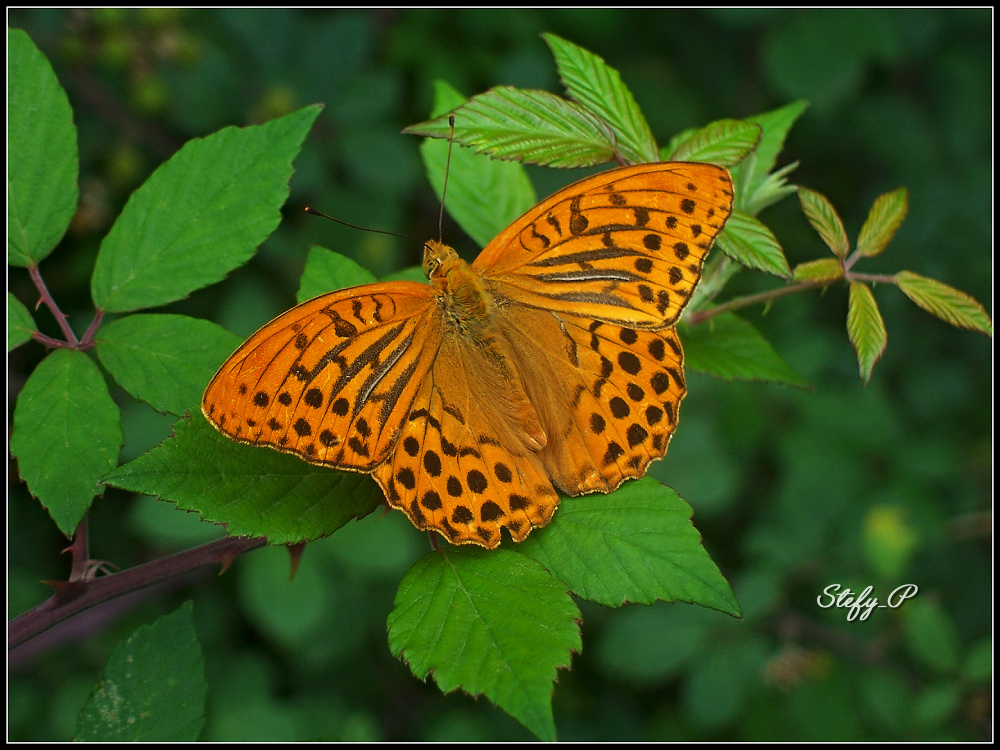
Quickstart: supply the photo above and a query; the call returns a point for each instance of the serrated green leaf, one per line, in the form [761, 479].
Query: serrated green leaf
[724, 142]
[947, 303]
[490, 623]
[153, 688]
[599, 89]
[865, 328]
[824, 219]
[20, 325]
[164, 360]
[528, 126]
[199, 215]
[747, 241]
[823, 269]
[42, 154]
[328, 271]
[752, 199]
[887, 213]
[253, 491]
[635, 545]
[66, 436]
[728, 347]
[484, 195]
[774, 126]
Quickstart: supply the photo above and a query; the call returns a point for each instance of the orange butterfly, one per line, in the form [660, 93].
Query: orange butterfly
[550, 364]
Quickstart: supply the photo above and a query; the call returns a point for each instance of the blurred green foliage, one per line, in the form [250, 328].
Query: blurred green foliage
[792, 490]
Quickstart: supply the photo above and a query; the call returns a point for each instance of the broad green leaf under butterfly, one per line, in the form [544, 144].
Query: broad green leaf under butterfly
[66, 435]
[637, 545]
[253, 492]
[199, 215]
[164, 360]
[153, 688]
[488, 623]
[42, 164]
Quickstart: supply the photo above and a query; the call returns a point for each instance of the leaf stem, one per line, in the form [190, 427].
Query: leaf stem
[43, 290]
[752, 299]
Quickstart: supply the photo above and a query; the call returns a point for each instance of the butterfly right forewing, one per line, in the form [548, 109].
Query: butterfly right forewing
[625, 246]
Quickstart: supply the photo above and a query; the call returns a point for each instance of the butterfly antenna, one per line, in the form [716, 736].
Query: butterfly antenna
[447, 169]
[314, 212]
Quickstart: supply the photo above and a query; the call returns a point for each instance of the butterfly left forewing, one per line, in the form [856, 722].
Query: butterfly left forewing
[625, 246]
[329, 380]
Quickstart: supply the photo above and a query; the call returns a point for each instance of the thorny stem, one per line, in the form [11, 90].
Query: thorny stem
[75, 596]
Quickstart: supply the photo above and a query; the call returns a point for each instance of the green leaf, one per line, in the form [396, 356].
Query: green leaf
[724, 142]
[491, 623]
[328, 271]
[164, 360]
[824, 219]
[153, 688]
[253, 491]
[946, 302]
[729, 348]
[635, 545]
[865, 328]
[528, 126]
[484, 195]
[599, 89]
[930, 635]
[750, 243]
[66, 435]
[823, 269]
[754, 198]
[887, 213]
[20, 325]
[199, 215]
[42, 154]
[774, 126]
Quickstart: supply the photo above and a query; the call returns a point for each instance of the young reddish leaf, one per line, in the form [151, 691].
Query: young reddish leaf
[884, 218]
[824, 219]
[865, 328]
[947, 303]
[823, 269]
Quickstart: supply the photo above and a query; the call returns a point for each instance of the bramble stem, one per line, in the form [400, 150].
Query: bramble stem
[73, 597]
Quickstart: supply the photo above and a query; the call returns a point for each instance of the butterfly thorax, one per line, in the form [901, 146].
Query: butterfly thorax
[468, 311]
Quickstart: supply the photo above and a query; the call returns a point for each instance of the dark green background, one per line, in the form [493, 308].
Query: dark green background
[793, 490]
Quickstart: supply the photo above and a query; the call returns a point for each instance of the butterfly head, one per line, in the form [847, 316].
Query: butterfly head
[437, 257]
